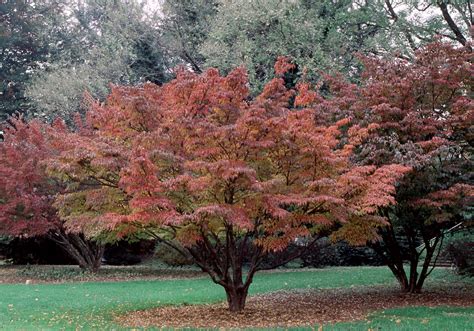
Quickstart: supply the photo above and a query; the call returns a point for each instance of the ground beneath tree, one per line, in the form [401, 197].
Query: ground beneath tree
[297, 308]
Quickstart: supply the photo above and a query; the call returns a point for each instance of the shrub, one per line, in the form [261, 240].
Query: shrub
[128, 253]
[171, 257]
[340, 253]
[462, 255]
[36, 250]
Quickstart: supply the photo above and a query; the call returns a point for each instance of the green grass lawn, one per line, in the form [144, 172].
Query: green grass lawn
[415, 318]
[92, 305]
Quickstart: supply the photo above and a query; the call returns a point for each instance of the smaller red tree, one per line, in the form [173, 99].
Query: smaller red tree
[27, 193]
[415, 113]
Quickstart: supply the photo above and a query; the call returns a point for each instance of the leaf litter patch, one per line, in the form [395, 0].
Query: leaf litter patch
[297, 308]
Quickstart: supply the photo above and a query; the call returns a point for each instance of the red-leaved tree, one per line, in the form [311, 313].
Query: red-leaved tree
[27, 193]
[419, 114]
[226, 179]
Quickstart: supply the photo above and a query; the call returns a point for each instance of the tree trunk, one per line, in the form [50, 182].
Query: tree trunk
[408, 284]
[430, 255]
[401, 277]
[452, 25]
[413, 271]
[86, 253]
[411, 281]
[391, 254]
[236, 298]
[223, 260]
[91, 257]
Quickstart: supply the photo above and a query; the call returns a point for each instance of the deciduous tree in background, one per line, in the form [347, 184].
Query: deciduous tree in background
[107, 41]
[29, 32]
[184, 27]
[232, 179]
[324, 35]
[425, 113]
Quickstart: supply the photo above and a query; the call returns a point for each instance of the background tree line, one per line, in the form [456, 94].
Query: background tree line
[52, 51]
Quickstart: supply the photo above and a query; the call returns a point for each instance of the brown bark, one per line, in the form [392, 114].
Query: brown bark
[411, 280]
[223, 260]
[86, 253]
[405, 30]
[392, 255]
[429, 257]
[236, 298]
[452, 25]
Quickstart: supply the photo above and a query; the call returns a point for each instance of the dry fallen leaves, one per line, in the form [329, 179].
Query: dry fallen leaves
[295, 308]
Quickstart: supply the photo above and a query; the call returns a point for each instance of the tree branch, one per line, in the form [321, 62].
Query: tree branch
[452, 25]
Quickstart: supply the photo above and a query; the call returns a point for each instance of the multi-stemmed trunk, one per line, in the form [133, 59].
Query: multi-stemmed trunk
[224, 260]
[86, 253]
[392, 253]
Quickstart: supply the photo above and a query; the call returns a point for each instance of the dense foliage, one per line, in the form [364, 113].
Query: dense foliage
[52, 51]
[28, 35]
[106, 42]
[426, 121]
[325, 35]
[228, 177]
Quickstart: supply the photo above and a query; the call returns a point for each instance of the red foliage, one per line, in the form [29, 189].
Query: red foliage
[283, 65]
[26, 193]
[414, 113]
[423, 111]
[230, 176]
[405, 112]
[197, 157]
[442, 204]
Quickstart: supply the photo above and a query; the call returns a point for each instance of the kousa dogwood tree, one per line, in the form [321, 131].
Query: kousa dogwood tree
[226, 179]
[419, 114]
[27, 193]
